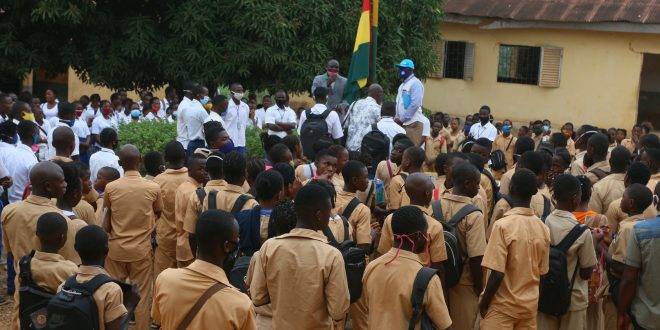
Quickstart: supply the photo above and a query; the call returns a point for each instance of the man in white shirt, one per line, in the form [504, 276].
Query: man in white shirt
[181, 128]
[195, 117]
[236, 117]
[67, 118]
[386, 124]
[106, 156]
[260, 114]
[409, 102]
[107, 119]
[332, 120]
[280, 119]
[219, 106]
[361, 117]
[484, 129]
[20, 161]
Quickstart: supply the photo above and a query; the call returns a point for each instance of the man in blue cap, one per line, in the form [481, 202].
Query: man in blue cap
[409, 102]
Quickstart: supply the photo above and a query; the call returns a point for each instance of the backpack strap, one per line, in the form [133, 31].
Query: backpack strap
[350, 207]
[404, 176]
[213, 200]
[600, 174]
[371, 191]
[199, 304]
[88, 287]
[331, 238]
[239, 203]
[345, 221]
[420, 285]
[546, 208]
[308, 113]
[508, 145]
[571, 237]
[462, 213]
[25, 270]
[389, 167]
[201, 194]
[508, 199]
[496, 188]
[437, 210]
[325, 113]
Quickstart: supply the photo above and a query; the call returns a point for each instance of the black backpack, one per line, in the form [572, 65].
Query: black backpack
[376, 144]
[497, 160]
[312, 129]
[33, 298]
[454, 264]
[238, 274]
[74, 307]
[354, 257]
[555, 287]
[420, 285]
[547, 206]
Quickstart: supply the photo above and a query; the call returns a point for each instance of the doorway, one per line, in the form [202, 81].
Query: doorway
[648, 108]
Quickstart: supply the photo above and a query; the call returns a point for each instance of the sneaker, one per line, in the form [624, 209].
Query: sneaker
[4, 301]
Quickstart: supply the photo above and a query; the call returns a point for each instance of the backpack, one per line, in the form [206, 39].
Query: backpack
[312, 129]
[454, 264]
[546, 205]
[249, 224]
[420, 285]
[376, 144]
[33, 298]
[74, 307]
[555, 288]
[238, 204]
[354, 257]
[496, 188]
[600, 174]
[238, 273]
[497, 160]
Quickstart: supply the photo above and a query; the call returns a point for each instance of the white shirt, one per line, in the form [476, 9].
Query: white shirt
[50, 113]
[19, 164]
[90, 113]
[426, 129]
[102, 158]
[78, 128]
[260, 116]
[334, 124]
[390, 128]
[181, 129]
[195, 116]
[276, 115]
[486, 131]
[170, 119]
[214, 116]
[236, 118]
[101, 123]
[123, 118]
[45, 128]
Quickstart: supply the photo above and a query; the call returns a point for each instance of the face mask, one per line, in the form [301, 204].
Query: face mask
[156, 106]
[546, 128]
[79, 113]
[204, 100]
[332, 73]
[506, 129]
[403, 74]
[208, 106]
[69, 122]
[106, 111]
[227, 148]
[237, 96]
[28, 116]
[484, 119]
[466, 128]
[537, 131]
[280, 103]
[135, 113]
[228, 264]
[175, 114]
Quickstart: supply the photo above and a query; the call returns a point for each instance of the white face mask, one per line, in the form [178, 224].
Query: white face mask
[238, 96]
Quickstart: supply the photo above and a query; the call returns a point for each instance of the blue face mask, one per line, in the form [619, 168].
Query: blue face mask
[546, 128]
[403, 74]
[466, 128]
[227, 148]
[15, 140]
[204, 100]
[71, 122]
[506, 129]
[135, 113]
[175, 114]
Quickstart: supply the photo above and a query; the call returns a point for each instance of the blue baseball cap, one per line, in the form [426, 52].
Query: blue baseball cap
[406, 63]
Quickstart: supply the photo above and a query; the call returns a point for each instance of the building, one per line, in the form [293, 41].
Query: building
[584, 61]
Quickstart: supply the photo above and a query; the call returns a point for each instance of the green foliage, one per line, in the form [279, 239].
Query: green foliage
[264, 44]
[253, 146]
[147, 136]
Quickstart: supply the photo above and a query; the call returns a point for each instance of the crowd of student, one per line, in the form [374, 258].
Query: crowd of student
[548, 230]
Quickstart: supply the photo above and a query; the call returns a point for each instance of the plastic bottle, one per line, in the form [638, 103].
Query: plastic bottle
[380, 191]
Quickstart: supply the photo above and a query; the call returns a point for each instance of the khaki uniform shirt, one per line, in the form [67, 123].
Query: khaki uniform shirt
[177, 290]
[264, 312]
[488, 187]
[437, 251]
[100, 211]
[570, 146]
[132, 204]
[169, 181]
[184, 194]
[396, 193]
[194, 206]
[304, 280]
[92, 197]
[19, 225]
[435, 146]
[502, 206]
[655, 178]
[629, 144]
[300, 172]
[84, 211]
[387, 290]
[360, 219]
[507, 145]
[518, 247]
[226, 199]
[581, 253]
[456, 141]
[49, 270]
[505, 180]
[577, 166]
[108, 297]
[615, 215]
[470, 232]
[620, 243]
[383, 172]
[336, 226]
[606, 191]
[603, 165]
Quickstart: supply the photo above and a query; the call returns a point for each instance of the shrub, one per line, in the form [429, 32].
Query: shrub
[253, 146]
[147, 136]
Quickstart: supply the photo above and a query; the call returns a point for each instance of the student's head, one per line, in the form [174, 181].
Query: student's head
[523, 131]
[585, 189]
[523, 185]
[283, 217]
[66, 111]
[7, 131]
[153, 163]
[482, 147]
[26, 132]
[413, 159]
[174, 153]
[329, 188]
[321, 95]
[419, 188]
[534, 162]
[561, 160]
[651, 157]
[558, 140]
[64, 141]
[293, 143]
[108, 138]
[85, 177]
[476, 161]
[104, 176]
[269, 186]
[92, 245]
[253, 168]
[440, 163]
[636, 198]
[388, 109]
[638, 172]
[313, 207]
[453, 160]
[597, 147]
[400, 143]
[51, 231]
[321, 144]
[217, 138]
[523, 144]
[583, 134]
[484, 114]
[410, 229]
[326, 163]
[215, 165]
[269, 141]
[234, 168]
[47, 180]
[567, 192]
[620, 159]
[266, 101]
[280, 153]
[649, 141]
[342, 155]
[291, 185]
[217, 237]
[73, 193]
[220, 103]
[355, 175]
[197, 168]
[130, 158]
[621, 134]
[466, 179]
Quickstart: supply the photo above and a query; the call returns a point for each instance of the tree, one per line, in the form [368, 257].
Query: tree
[263, 44]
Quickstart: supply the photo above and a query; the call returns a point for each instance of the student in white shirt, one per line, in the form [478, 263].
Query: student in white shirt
[20, 162]
[236, 117]
[260, 114]
[107, 119]
[93, 109]
[219, 106]
[334, 124]
[42, 123]
[50, 107]
[484, 129]
[106, 156]
[280, 119]
[67, 118]
[124, 117]
[387, 125]
[181, 128]
[195, 116]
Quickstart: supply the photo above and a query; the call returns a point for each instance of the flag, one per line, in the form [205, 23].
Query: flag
[374, 38]
[359, 71]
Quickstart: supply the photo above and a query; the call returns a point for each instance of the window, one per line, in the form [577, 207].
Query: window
[455, 60]
[519, 64]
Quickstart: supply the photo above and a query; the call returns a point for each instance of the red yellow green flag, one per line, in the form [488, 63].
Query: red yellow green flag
[359, 71]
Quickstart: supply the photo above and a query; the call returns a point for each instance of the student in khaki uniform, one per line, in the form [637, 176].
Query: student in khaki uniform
[336, 223]
[595, 160]
[581, 256]
[506, 143]
[387, 169]
[440, 165]
[112, 303]
[583, 134]
[291, 185]
[104, 176]
[302, 269]
[154, 165]
[84, 210]
[178, 290]
[325, 163]
[234, 171]
[464, 297]
[516, 257]
[522, 145]
[483, 147]
[169, 181]
[611, 187]
[412, 162]
[197, 177]
[637, 173]
[356, 178]
[133, 205]
[481, 199]
[388, 280]
[72, 195]
[436, 144]
[64, 142]
[342, 157]
[651, 157]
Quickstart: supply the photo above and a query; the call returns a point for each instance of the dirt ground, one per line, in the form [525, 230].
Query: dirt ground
[5, 310]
